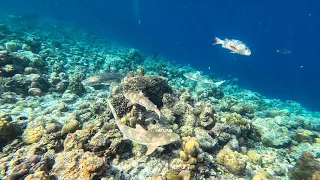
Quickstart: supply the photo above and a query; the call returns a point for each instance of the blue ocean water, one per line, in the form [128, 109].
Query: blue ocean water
[183, 31]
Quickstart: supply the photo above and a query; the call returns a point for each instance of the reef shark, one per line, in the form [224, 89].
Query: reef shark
[105, 78]
[137, 97]
[139, 135]
[197, 77]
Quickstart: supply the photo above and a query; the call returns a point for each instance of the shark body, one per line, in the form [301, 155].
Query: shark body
[139, 135]
[105, 78]
[197, 77]
[137, 97]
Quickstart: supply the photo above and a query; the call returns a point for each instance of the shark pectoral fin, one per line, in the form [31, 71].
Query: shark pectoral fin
[141, 93]
[130, 103]
[151, 148]
[124, 137]
[106, 83]
[139, 128]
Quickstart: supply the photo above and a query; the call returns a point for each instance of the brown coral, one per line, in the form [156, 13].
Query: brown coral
[190, 150]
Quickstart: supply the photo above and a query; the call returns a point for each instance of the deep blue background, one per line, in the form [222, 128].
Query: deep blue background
[183, 30]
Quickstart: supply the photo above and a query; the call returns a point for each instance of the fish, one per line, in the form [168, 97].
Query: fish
[197, 77]
[105, 78]
[139, 135]
[235, 46]
[137, 97]
[283, 51]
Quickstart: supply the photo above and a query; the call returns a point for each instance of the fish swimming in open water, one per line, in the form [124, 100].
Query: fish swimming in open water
[105, 78]
[137, 97]
[235, 46]
[284, 51]
[139, 135]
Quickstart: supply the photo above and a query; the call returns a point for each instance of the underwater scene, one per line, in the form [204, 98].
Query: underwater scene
[159, 90]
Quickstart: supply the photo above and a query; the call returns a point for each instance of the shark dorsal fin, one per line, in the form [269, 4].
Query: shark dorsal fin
[139, 128]
[141, 93]
[151, 148]
[108, 69]
[124, 137]
[130, 103]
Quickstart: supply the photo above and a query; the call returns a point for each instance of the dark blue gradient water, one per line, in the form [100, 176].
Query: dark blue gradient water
[183, 30]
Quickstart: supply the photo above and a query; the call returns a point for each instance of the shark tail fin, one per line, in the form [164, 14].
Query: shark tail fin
[114, 113]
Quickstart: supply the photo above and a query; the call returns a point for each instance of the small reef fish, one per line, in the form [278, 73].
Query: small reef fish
[283, 51]
[137, 97]
[139, 135]
[197, 77]
[235, 46]
[105, 78]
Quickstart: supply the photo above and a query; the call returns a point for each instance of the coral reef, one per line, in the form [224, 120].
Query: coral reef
[271, 133]
[81, 165]
[54, 127]
[232, 160]
[190, 150]
[306, 168]
[9, 130]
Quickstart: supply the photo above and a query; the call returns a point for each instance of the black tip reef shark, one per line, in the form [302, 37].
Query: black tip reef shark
[139, 135]
[105, 78]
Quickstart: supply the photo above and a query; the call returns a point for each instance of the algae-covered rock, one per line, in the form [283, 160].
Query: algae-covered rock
[38, 175]
[70, 127]
[297, 150]
[206, 115]
[243, 109]
[77, 164]
[75, 86]
[185, 175]
[33, 132]
[12, 46]
[303, 135]
[254, 157]
[306, 168]
[172, 175]
[272, 134]
[206, 142]
[79, 139]
[12, 64]
[8, 129]
[99, 142]
[263, 176]
[35, 92]
[140, 71]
